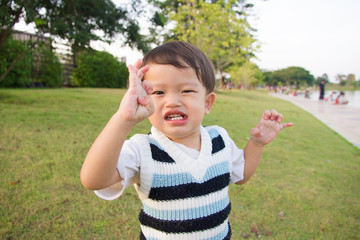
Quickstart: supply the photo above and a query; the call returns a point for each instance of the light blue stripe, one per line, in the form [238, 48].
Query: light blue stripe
[187, 214]
[152, 141]
[169, 180]
[213, 133]
[221, 235]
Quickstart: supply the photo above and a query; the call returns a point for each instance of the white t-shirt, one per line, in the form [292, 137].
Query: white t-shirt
[129, 166]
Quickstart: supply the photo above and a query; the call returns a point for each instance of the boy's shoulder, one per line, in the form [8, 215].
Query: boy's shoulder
[215, 129]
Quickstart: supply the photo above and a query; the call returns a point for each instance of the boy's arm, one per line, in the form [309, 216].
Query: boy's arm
[266, 130]
[99, 168]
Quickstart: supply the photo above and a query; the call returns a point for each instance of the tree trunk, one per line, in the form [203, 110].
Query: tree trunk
[5, 33]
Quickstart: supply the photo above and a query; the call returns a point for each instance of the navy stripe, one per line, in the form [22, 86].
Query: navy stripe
[191, 189]
[199, 224]
[160, 155]
[217, 144]
[228, 236]
[142, 236]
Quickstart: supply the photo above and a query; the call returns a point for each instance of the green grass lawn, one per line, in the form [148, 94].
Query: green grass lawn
[306, 187]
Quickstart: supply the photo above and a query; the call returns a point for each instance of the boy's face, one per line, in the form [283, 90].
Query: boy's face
[181, 102]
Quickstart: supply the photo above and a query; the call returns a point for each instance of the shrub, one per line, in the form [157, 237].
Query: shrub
[99, 69]
[49, 68]
[39, 65]
[20, 74]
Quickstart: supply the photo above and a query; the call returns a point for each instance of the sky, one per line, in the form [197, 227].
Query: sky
[322, 36]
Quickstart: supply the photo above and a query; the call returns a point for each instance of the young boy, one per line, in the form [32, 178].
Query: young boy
[181, 170]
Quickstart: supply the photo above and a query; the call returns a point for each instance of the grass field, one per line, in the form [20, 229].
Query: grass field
[306, 187]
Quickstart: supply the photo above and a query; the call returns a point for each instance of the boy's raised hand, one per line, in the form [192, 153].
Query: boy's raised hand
[137, 104]
[268, 127]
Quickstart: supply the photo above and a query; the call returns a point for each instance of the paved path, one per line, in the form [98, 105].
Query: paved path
[343, 119]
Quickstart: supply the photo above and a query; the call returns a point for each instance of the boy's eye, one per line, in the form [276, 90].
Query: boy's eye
[188, 91]
[157, 93]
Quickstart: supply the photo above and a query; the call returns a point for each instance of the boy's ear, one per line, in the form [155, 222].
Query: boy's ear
[209, 102]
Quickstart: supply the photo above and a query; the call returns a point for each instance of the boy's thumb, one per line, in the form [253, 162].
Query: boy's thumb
[256, 132]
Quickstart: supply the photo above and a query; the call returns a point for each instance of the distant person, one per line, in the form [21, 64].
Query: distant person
[331, 97]
[341, 99]
[307, 93]
[181, 170]
[322, 89]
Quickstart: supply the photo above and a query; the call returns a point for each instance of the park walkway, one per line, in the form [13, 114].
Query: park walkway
[343, 119]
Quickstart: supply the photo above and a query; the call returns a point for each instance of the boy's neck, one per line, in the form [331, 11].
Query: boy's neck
[192, 141]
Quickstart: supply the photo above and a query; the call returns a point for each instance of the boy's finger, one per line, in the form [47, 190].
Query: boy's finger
[147, 86]
[256, 132]
[142, 100]
[285, 125]
[133, 78]
[266, 114]
[138, 63]
[274, 114]
[142, 71]
[279, 118]
[146, 101]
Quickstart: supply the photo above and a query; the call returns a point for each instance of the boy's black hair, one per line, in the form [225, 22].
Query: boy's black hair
[183, 55]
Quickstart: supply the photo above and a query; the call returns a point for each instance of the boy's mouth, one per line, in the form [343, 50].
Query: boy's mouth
[173, 117]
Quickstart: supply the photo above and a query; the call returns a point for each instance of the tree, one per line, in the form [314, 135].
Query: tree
[79, 21]
[350, 79]
[323, 77]
[340, 77]
[49, 70]
[298, 76]
[346, 80]
[39, 65]
[219, 28]
[247, 75]
[291, 76]
[21, 74]
[99, 69]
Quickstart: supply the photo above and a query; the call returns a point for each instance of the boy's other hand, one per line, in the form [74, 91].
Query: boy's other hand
[268, 127]
[137, 104]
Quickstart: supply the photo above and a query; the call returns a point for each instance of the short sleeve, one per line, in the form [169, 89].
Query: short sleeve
[128, 166]
[238, 163]
[237, 157]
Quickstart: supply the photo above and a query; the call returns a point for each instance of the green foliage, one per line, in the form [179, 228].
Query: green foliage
[291, 76]
[324, 77]
[342, 83]
[50, 68]
[219, 28]
[99, 69]
[77, 21]
[39, 65]
[309, 173]
[347, 80]
[20, 75]
[247, 75]
[339, 87]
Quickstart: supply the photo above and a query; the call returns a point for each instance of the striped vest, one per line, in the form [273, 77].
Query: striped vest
[184, 198]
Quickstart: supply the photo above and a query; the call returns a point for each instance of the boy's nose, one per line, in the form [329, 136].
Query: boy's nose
[173, 100]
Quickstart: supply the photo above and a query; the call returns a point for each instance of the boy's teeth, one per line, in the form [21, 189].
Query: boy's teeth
[175, 117]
